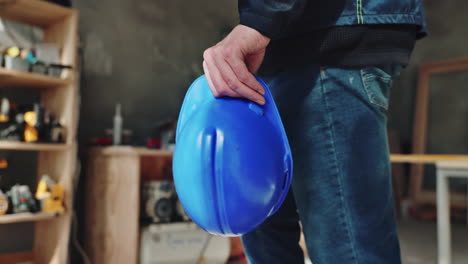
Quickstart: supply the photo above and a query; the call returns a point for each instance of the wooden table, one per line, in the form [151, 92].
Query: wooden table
[113, 179]
[447, 166]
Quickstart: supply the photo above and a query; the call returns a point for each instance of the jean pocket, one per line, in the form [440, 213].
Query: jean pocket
[377, 82]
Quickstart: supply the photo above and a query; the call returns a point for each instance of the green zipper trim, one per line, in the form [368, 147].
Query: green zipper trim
[360, 17]
[357, 11]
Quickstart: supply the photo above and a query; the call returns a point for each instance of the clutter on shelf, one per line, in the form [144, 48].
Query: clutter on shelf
[22, 48]
[49, 198]
[51, 195]
[29, 123]
[3, 203]
[160, 203]
[27, 60]
[21, 199]
[116, 135]
[163, 135]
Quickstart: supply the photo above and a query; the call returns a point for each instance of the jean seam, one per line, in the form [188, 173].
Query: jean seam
[332, 133]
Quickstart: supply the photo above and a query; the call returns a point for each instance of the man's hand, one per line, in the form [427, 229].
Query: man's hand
[230, 64]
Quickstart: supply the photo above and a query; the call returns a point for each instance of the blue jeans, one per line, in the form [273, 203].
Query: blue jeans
[341, 192]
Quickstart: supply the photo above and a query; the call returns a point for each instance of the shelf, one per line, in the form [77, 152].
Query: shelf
[11, 145]
[13, 78]
[33, 12]
[142, 151]
[129, 150]
[60, 96]
[26, 217]
[426, 158]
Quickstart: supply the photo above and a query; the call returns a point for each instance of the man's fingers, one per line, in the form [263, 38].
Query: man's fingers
[234, 84]
[217, 82]
[208, 78]
[243, 74]
[224, 81]
[213, 77]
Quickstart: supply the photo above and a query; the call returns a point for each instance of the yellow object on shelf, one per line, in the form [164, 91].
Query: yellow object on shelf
[13, 52]
[4, 110]
[30, 132]
[3, 163]
[54, 204]
[4, 118]
[3, 203]
[51, 195]
[42, 189]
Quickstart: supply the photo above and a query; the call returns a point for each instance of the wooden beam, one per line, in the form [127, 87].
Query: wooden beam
[443, 66]
[426, 158]
[128, 150]
[25, 217]
[421, 112]
[33, 12]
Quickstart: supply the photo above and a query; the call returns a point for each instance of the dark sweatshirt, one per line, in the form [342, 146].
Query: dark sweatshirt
[345, 33]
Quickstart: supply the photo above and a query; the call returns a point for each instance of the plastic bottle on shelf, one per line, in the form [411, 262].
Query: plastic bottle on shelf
[3, 203]
[117, 132]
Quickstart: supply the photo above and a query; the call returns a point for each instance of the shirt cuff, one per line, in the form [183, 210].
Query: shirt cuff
[267, 26]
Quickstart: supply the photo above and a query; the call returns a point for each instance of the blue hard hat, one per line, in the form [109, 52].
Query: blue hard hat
[232, 163]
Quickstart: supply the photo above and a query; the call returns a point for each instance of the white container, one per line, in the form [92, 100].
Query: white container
[181, 243]
[16, 63]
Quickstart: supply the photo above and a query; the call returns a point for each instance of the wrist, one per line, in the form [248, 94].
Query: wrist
[260, 38]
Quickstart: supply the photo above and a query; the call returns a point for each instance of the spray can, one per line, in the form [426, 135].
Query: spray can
[117, 135]
[3, 203]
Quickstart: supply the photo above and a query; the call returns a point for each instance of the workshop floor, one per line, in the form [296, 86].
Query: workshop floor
[419, 242]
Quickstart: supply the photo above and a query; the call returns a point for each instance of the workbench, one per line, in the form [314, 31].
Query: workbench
[446, 166]
[113, 182]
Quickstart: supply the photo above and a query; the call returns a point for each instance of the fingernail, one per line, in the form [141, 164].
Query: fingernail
[262, 92]
[262, 101]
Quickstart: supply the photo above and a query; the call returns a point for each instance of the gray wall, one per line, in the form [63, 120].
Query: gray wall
[143, 54]
[447, 23]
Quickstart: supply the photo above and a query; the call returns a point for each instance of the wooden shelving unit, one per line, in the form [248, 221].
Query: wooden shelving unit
[60, 96]
[8, 145]
[12, 78]
[113, 180]
[26, 217]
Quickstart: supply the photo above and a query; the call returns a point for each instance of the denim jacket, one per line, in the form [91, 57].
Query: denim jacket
[284, 18]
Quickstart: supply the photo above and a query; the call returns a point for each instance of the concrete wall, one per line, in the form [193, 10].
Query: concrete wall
[447, 38]
[143, 54]
[447, 129]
